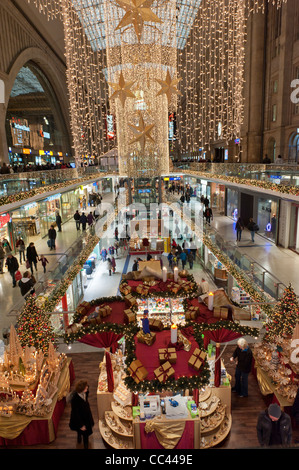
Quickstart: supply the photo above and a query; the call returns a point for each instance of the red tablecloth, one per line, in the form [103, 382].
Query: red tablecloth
[149, 440]
[149, 357]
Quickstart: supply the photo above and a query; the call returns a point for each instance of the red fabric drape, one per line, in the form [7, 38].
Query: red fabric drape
[110, 378]
[105, 339]
[219, 336]
[149, 441]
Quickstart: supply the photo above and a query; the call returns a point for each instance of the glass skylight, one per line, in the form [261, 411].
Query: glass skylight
[26, 82]
[92, 17]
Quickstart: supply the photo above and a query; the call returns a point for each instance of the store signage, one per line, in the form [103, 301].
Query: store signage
[110, 130]
[47, 135]
[237, 141]
[52, 198]
[4, 219]
[27, 151]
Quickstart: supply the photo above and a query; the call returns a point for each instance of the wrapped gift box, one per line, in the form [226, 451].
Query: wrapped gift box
[220, 312]
[125, 289]
[137, 371]
[191, 315]
[197, 359]
[167, 354]
[164, 372]
[72, 329]
[81, 310]
[174, 287]
[129, 316]
[104, 310]
[141, 289]
[155, 325]
[85, 304]
[130, 300]
[146, 338]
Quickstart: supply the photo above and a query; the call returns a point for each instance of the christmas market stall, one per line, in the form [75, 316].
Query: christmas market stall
[162, 383]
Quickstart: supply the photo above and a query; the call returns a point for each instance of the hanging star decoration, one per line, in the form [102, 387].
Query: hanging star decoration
[122, 89]
[142, 132]
[137, 13]
[169, 86]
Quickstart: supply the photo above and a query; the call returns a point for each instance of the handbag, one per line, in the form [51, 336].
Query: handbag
[49, 243]
[27, 264]
[18, 276]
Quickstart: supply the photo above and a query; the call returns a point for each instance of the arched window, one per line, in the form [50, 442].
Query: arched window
[294, 147]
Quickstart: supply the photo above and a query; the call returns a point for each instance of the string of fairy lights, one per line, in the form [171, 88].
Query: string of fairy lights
[199, 77]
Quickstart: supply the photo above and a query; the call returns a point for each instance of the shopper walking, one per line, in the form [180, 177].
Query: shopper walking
[253, 227]
[26, 284]
[109, 266]
[81, 419]
[20, 245]
[113, 263]
[6, 246]
[44, 262]
[170, 259]
[90, 219]
[32, 256]
[183, 258]
[243, 356]
[12, 266]
[239, 227]
[52, 237]
[2, 258]
[190, 259]
[77, 219]
[274, 427]
[58, 221]
[83, 221]
[208, 215]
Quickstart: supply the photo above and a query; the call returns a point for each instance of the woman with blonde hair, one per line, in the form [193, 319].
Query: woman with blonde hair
[81, 419]
[243, 357]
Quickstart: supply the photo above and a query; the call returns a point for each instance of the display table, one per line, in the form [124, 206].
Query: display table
[267, 387]
[22, 430]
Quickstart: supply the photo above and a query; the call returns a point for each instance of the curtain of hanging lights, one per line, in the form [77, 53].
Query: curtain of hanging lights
[209, 59]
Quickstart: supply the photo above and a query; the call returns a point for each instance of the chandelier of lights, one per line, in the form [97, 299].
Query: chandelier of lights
[132, 67]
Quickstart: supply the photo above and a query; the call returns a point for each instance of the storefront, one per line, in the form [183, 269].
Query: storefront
[69, 204]
[217, 200]
[267, 210]
[6, 231]
[26, 222]
[203, 188]
[294, 228]
[232, 203]
[48, 208]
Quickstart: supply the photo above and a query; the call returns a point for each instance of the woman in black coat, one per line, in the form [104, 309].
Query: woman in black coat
[32, 256]
[81, 419]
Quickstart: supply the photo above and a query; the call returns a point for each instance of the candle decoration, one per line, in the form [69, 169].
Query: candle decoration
[211, 301]
[174, 334]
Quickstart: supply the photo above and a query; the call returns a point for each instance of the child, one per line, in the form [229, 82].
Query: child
[44, 261]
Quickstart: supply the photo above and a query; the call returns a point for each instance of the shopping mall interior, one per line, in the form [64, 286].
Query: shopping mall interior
[149, 226]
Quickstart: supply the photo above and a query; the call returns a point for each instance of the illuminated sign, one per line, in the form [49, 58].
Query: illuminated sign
[171, 126]
[110, 130]
[27, 151]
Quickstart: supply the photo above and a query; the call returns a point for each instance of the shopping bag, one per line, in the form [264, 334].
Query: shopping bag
[49, 243]
[27, 264]
[18, 276]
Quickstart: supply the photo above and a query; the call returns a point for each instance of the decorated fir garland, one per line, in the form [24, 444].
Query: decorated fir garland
[280, 188]
[17, 197]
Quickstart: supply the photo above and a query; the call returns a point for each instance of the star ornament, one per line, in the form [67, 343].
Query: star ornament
[169, 86]
[137, 13]
[122, 89]
[142, 132]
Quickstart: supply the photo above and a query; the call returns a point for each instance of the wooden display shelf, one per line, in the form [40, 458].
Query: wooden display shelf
[210, 424]
[122, 411]
[114, 441]
[203, 396]
[215, 439]
[212, 403]
[120, 429]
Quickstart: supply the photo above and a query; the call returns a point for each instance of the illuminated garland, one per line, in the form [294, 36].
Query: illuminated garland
[280, 188]
[23, 195]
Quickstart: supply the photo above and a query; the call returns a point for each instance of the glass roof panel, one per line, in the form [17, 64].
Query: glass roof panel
[26, 82]
[91, 14]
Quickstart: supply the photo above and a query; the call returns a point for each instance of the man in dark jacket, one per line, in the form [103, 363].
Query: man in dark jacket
[83, 221]
[77, 219]
[243, 356]
[274, 427]
[12, 266]
[26, 284]
[32, 256]
[58, 222]
[52, 237]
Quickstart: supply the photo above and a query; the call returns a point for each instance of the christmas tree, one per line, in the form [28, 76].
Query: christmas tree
[283, 319]
[34, 327]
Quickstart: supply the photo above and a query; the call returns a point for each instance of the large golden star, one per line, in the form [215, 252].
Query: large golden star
[169, 86]
[142, 131]
[122, 89]
[137, 12]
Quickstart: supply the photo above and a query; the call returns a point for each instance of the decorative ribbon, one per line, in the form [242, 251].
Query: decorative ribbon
[165, 373]
[134, 372]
